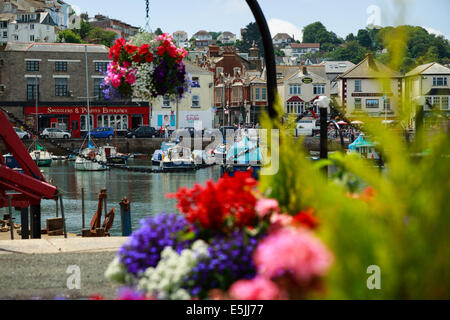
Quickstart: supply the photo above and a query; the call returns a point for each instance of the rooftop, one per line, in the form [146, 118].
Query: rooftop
[305, 45]
[371, 68]
[55, 47]
[429, 68]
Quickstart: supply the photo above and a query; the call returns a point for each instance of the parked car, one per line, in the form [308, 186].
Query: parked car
[22, 134]
[143, 132]
[103, 133]
[56, 134]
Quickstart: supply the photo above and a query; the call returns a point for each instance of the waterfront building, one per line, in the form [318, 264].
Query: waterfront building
[52, 77]
[371, 88]
[195, 109]
[300, 89]
[203, 39]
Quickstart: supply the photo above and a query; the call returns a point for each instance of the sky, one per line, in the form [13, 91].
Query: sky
[289, 16]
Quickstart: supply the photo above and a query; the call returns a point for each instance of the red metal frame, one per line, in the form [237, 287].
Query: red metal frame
[30, 186]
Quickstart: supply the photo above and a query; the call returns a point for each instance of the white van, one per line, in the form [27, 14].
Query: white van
[305, 127]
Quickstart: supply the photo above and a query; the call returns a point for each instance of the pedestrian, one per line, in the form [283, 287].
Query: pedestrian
[166, 132]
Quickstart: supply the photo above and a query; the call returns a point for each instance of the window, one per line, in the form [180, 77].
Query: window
[60, 66]
[372, 103]
[101, 67]
[264, 94]
[257, 94]
[32, 37]
[61, 87]
[219, 95]
[439, 81]
[219, 70]
[32, 65]
[387, 104]
[83, 123]
[16, 27]
[237, 94]
[166, 102]
[98, 89]
[319, 89]
[16, 37]
[32, 86]
[3, 25]
[295, 107]
[5, 34]
[195, 82]
[31, 26]
[358, 86]
[236, 71]
[118, 122]
[358, 104]
[195, 101]
[295, 89]
[445, 105]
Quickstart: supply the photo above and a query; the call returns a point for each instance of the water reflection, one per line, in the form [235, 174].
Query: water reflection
[146, 192]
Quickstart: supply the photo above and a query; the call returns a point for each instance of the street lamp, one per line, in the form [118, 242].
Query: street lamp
[323, 102]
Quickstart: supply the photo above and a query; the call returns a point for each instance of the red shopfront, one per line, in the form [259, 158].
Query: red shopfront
[74, 118]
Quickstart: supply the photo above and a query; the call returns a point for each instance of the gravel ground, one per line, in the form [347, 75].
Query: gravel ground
[44, 276]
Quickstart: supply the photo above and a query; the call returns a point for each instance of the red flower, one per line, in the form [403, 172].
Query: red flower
[130, 49]
[144, 49]
[149, 57]
[120, 42]
[307, 219]
[137, 58]
[230, 199]
[161, 50]
[96, 297]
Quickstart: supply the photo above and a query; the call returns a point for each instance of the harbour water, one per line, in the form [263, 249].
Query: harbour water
[147, 192]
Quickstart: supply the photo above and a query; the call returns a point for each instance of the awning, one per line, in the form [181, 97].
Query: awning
[438, 92]
[295, 99]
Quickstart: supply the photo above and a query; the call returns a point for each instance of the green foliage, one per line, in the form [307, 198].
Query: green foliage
[106, 38]
[351, 51]
[250, 34]
[215, 35]
[142, 37]
[69, 37]
[403, 227]
[317, 33]
[159, 32]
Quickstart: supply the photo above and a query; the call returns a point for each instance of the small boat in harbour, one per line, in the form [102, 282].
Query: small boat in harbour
[243, 155]
[178, 158]
[158, 154]
[84, 161]
[112, 157]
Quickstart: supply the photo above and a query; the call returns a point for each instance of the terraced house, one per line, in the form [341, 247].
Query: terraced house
[371, 88]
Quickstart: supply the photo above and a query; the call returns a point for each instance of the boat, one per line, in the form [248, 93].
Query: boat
[58, 158]
[178, 158]
[140, 156]
[243, 155]
[158, 154]
[112, 157]
[40, 156]
[83, 162]
[364, 148]
[220, 153]
[73, 155]
[12, 163]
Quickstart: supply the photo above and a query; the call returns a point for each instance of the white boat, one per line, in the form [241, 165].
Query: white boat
[159, 154]
[42, 158]
[220, 153]
[178, 158]
[85, 163]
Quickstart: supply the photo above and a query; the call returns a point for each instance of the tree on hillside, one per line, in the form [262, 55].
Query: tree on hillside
[159, 32]
[68, 36]
[85, 28]
[351, 51]
[106, 38]
[215, 35]
[364, 39]
[250, 34]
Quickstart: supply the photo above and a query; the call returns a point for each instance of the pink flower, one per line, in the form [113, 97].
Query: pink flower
[131, 78]
[265, 207]
[279, 221]
[256, 289]
[297, 252]
[115, 80]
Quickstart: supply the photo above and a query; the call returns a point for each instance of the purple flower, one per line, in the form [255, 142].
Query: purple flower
[143, 249]
[225, 265]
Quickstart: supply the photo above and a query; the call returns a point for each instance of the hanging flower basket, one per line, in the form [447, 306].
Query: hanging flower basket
[152, 70]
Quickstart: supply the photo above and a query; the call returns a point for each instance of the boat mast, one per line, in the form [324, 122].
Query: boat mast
[36, 86]
[87, 94]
